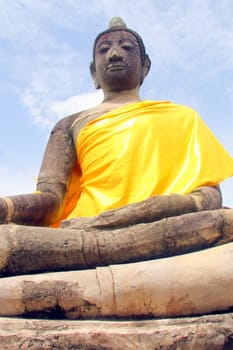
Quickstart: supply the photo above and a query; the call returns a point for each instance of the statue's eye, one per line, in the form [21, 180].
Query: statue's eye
[127, 47]
[103, 49]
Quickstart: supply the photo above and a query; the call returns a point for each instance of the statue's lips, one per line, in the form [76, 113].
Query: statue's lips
[115, 67]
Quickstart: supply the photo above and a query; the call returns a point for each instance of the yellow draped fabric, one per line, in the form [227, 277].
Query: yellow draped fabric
[142, 150]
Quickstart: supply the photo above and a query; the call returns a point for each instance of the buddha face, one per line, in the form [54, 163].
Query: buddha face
[117, 63]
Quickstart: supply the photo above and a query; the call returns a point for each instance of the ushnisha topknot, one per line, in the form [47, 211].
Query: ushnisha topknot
[116, 24]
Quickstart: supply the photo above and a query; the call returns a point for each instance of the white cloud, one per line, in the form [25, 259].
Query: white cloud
[76, 103]
[38, 108]
[20, 25]
[48, 111]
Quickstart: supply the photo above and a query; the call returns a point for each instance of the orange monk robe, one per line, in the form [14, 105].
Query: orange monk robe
[143, 150]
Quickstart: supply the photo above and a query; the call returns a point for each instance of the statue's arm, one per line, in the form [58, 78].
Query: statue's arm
[45, 205]
[154, 209]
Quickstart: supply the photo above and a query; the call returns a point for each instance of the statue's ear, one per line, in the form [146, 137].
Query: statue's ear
[146, 67]
[93, 75]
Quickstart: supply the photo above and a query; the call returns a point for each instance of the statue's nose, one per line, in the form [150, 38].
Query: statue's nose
[114, 54]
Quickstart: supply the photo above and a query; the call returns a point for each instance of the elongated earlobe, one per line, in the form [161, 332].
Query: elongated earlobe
[93, 75]
[97, 84]
[146, 68]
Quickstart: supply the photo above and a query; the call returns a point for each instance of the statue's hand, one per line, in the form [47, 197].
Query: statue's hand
[153, 209]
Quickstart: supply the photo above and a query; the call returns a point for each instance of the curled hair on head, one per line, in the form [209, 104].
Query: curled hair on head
[117, 24]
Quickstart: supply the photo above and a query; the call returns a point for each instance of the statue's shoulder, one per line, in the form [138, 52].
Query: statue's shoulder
[171, 108]
[182, 111]
[81, 119]
[67, 122]
[72, 124]
[180, 107]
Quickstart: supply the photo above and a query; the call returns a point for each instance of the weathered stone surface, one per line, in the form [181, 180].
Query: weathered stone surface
[191, 284]
[213, 332]
[26, 249]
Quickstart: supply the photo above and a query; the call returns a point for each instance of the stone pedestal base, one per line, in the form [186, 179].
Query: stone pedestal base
[212, 332]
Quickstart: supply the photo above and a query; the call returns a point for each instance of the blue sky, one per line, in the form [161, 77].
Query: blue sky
[46, 48]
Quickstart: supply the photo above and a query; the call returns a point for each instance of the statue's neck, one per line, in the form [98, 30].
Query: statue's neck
[121, 97]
